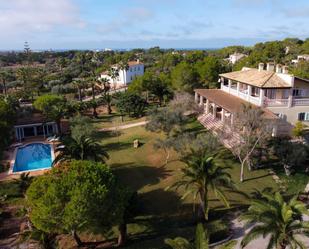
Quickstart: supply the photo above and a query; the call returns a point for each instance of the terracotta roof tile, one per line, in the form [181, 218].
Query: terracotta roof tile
[254, 77]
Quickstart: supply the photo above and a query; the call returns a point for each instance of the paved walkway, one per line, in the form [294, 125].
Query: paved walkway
[122, 127]
[239, 230]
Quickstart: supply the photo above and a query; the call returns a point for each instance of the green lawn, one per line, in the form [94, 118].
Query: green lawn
[106, 121]
[294, 184]
[144, 170]
[163, 213]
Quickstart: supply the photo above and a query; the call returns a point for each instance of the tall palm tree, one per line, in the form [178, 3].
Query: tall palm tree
[80, 84]
[105, 85]
[61, 63]
[280, 220]
[92, 80]
[80, 148]
[113, 73]
[123, 66]
[201, 176]
[94, 105]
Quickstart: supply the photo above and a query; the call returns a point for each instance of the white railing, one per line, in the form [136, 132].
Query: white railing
[276, 102]
[243, 95]
[233, 91]
[301, 102]
[254, 100]
[225, 88]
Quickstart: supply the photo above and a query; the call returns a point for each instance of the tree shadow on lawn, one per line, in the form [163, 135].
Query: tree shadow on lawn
[162, 214]
[162, 202]
[118, 146]
[138, 177]
[100, 135]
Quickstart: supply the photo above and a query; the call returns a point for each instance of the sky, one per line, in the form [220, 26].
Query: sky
[99, 24]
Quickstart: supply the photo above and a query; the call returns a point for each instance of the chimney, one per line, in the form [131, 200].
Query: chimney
[285, 69]
[278, 68]
[261, 67]
[270, 66]
[137, 60]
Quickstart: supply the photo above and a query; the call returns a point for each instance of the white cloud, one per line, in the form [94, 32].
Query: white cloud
[21, 17]
[129, 16]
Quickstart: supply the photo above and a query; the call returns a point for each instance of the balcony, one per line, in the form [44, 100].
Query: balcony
[276, 102]
[243, 94]
[285, 102]
[301, 102]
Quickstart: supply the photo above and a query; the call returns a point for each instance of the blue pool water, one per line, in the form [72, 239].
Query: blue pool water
[33, 157]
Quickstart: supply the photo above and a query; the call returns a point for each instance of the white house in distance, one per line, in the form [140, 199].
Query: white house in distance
[125, 75]
[304, 57]
[233, 58]
[283, 97]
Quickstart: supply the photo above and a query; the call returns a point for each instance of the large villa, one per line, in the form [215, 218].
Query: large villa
[125, 75]
[283, 97]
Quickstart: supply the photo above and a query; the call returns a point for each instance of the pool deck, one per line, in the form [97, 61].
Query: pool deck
[10, 154]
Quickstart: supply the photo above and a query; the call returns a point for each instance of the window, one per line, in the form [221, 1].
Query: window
[131, 69]
[270, 93]
[286, 93]
[255, 92]
[234, 84]
[303, 116]
[296, 92]
[138, 68]
[225, 82]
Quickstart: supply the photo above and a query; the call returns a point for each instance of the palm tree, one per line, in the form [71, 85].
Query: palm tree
[124, 67]
[105, 85]
[113, 73]
[280, 220]
[61, 63]
[80, 84]
[92, 82]
[94, 105]
[80, 148]
[201, 176]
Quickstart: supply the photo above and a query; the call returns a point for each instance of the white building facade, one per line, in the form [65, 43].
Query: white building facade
[233, 58]
[283, 96]
[304, 57]
[125, 76]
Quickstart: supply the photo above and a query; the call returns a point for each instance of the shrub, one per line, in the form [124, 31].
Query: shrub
[299, 129]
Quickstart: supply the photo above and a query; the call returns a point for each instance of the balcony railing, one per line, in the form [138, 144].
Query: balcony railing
[301, 102]
[276, 102]
[255, 100]
[225, 88]
[285, 102]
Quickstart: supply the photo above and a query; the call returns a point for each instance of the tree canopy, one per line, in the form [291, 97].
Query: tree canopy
[79, 196]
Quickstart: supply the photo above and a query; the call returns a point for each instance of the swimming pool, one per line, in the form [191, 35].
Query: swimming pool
[35, 156]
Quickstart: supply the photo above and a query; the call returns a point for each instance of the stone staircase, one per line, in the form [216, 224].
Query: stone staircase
[226, 136]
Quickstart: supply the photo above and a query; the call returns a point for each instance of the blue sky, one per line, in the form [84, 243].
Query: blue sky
[98, 24]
